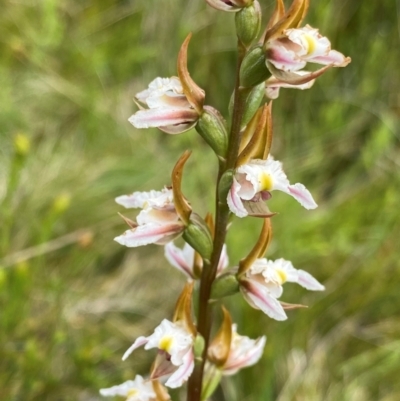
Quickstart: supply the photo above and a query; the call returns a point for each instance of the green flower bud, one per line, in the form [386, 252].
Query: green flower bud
[198, 236]
[225, 184]
[225, 286]
[198, 346]
[253, 102]
[248, 22]
[253, 70]
[211, 127]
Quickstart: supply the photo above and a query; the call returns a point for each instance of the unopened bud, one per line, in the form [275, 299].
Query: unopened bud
[252, 103]
[198, 236]
[224, 286]
[225, 184]
[211, 126]
[248, 22]
[253, 70]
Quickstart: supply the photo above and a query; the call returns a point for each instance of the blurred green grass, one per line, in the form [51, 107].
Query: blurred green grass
[72, 300]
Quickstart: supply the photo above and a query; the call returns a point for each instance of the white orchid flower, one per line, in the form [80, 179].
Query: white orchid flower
[299, 46]
[175, 352]
[168, 107]
[243, 352]
[183, 259]
[157, 222]
[262, 285]
[255, 180]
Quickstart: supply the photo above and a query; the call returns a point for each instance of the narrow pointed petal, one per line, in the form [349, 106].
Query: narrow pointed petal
[177, 128]
[162, 117]
[183, 372]
[223, 5]
[296, 77]
[176, 258]
[259, 298]
[138, 343]
[235, 202]
[334, 58]
[249, 358]
[307, 281]
[150, 234]
[137, 199]
[302, 195]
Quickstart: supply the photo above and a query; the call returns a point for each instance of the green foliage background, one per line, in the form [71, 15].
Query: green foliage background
[72, 300]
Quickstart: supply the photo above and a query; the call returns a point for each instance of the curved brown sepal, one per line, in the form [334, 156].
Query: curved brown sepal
[259, 248]
[182, 206]
[292, 19]
[183, 309]
[194, 94]
[220, 347]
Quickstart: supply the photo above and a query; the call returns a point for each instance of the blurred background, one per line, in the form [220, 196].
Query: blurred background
[72, 300]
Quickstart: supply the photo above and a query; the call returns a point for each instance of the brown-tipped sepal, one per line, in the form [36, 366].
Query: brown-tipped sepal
[248, 22]
[182, 207]
[253, 70]
[194, 94]
[218, 351]
[160, 391]
[212, 128]
[225, 286]
[198, 236]
[183, 309]
[259, 248]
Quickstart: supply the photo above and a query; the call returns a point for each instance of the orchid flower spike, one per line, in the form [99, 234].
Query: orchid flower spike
[243, 352]
[184, 259]
[262, 285]
[137, 390]
[157, 222]
[175, 352]
[255, 180]
[168, 107]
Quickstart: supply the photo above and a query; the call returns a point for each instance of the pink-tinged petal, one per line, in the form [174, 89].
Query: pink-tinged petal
[162, 117]
[249, 358]
[137, 199]
[307, 281]
[138, 343]
[234, 202]
[223, 260]
[259, 297]
[178, 128]
[169, 100]
[176, 258]
[302, 195]
[150, 234]
[333, 58]
[283, 59]
[223, 5]
[162, 366]
[183, 372]
[272, 92]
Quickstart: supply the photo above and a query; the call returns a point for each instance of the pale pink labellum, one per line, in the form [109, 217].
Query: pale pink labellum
[307, 281]
[182, 259]
[182, 374]
[258, 296]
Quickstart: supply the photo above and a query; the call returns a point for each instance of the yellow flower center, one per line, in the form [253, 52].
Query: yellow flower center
[166, 343]
[311, 43]
[282, 276]
[132, 392]
[265, 181]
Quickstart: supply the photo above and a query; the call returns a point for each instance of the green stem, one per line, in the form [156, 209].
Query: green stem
[204, 321]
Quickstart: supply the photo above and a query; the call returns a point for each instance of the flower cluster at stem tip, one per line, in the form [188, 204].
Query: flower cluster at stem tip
[188, 347]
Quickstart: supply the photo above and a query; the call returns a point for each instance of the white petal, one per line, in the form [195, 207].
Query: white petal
[150, 234]
[183, 372]
[259, 297]
[137, 199]
[138, 343]
[223, 260]
[176, 258]
[234, 202]
[302, 195]
[307, 281]
[161, 117]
